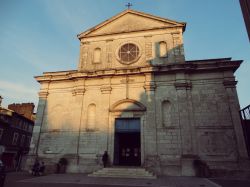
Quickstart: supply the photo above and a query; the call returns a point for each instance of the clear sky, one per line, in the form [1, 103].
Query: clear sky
[38, 36]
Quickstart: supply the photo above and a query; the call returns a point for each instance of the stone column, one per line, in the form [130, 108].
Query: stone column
[183, 87]
[234, 107]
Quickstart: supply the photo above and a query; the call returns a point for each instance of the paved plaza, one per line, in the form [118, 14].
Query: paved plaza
[22, 179]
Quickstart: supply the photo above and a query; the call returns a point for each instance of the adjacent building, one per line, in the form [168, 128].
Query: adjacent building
[15, 136]
[135, 96]
[245, 7]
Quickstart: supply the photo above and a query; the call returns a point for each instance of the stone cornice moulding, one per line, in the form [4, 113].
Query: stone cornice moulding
[88, 32]
[133, 32]
[198, 66]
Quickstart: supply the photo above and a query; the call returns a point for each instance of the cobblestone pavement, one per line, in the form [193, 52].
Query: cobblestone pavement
[21, 179]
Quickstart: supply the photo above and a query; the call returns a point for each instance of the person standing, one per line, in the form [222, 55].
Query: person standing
[35, 168]
[41, 169]
[105, 159]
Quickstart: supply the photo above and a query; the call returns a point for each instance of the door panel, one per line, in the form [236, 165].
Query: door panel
[127, 150]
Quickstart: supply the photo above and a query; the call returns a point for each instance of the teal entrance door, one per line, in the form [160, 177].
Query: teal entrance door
[127, 150]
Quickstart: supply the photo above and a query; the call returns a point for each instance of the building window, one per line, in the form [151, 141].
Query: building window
[28, 141]
[30, 128]
[128, 53]
[22, 140]
[15, 138]
[97, 55]
[163, 50]
[1, 133]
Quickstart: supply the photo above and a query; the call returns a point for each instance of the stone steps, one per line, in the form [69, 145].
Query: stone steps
[139, 173]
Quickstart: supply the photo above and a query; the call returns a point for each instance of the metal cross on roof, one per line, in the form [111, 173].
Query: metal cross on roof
[129, 5]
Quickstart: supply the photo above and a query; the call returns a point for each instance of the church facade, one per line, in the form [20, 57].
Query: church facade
[135, 96]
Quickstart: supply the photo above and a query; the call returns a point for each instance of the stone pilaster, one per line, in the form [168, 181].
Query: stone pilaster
[230, 86]
[38, 123]
[104, 136]
[28, 160]
[148, 48]
[150, 132]
[184, 116]
[78, 96]
[183, 87]
[178, 50]
[108, 63]
[84, 55]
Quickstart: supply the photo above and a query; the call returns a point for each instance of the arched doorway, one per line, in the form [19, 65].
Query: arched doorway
[127, 139]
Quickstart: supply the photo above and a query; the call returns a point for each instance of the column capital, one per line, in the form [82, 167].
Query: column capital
[149, 86]
[106, 89]
[183, 85]
[78, 91]
[43, 94]
[230, 83]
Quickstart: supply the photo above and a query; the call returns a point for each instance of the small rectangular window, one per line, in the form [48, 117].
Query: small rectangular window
[15, 138]
[22, 140]
[28, 141]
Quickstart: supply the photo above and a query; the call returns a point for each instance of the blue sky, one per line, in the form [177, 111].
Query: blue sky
[40, 35]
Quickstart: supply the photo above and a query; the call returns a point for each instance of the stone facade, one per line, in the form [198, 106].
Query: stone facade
[187, 109]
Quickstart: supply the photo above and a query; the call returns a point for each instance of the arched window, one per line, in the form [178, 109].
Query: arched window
[166, 113]
[91, 116]
[163, 49]
[97, 55]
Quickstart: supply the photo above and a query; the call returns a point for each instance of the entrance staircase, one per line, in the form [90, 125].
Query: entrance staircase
[118, 172]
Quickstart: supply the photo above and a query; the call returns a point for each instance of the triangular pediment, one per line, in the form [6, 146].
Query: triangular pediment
[130, 21]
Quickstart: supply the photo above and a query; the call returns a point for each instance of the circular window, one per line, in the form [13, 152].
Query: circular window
[128, 53]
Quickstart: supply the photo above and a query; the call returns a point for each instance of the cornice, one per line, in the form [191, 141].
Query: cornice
[130, 11]
[199, 66]
[132, 32]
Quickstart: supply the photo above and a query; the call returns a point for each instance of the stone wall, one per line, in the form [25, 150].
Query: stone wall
[180, 119]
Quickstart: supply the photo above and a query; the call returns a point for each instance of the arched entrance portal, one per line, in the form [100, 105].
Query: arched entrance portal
[127, 127]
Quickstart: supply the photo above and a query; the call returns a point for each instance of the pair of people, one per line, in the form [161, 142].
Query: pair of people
[38, 169]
